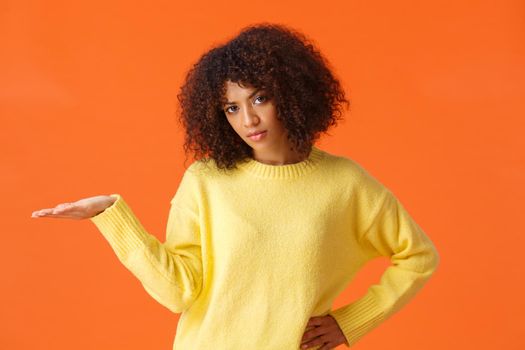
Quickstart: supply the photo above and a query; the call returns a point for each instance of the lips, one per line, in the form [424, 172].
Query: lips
[256, 133]
[258, 136]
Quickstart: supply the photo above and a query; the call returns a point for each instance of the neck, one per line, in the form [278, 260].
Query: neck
[279, 158]
[284, 171]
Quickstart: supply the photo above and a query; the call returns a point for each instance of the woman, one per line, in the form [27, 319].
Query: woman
[265, 229]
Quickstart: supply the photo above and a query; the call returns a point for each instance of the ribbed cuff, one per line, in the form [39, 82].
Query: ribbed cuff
[358, 318]
[121, 228]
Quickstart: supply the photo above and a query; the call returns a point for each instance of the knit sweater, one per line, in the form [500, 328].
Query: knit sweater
[250, 254]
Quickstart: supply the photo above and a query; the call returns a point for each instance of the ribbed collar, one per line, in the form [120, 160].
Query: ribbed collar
[286, 171]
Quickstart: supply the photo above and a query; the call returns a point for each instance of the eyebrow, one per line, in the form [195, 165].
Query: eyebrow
[251, 95]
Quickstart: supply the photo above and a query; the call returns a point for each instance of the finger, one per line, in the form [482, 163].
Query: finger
[58, 216]
[43, 212]
[62, 210]
[313, 342]
[312, 334]
[318, 336]
[53, 213]
[68, 209]
[327, 346]
[315, 321]
[62, 206]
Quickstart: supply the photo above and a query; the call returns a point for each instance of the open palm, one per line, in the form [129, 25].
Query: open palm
[81, 209]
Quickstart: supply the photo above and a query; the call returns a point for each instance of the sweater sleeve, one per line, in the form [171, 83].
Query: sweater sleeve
[392, 233]
[170, 271]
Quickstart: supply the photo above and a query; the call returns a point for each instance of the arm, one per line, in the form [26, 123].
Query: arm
[394, 234]
[171, 272]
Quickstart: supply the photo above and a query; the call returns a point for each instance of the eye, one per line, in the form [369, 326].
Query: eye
[261, 96]
[264, 98]
[228, 109]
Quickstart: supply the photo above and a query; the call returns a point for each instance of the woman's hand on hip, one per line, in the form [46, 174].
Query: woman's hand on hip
[322, 330]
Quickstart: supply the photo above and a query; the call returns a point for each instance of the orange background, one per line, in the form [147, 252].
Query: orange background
[87, 103]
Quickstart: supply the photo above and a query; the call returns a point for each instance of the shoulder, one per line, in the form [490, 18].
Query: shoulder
[193, 184]
[354, 174]
[205, 169]
[344, 165]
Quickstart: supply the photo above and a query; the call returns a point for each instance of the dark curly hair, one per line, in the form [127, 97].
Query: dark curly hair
[281, 60]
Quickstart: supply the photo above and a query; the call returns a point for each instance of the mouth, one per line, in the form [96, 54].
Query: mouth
[257, 135]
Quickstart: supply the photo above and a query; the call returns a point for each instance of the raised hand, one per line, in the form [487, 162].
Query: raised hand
[81, 209]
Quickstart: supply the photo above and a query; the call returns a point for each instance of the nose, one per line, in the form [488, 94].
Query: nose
[249, 117]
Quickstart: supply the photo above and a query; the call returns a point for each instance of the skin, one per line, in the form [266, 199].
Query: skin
[257, 113]
[81, 209]
[322, 330]
[245, 114]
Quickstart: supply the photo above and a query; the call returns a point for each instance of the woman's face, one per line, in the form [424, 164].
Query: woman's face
[251, 111]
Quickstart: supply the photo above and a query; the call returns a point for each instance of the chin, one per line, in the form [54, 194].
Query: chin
[256, 146]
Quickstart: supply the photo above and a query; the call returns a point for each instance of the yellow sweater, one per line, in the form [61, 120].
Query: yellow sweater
[251, 254]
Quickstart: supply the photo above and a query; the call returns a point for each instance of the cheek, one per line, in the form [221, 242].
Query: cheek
[278, 124]
[232, 124]
[235, 127]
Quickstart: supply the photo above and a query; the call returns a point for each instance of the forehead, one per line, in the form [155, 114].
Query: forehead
[238, 91]
[238, 88]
